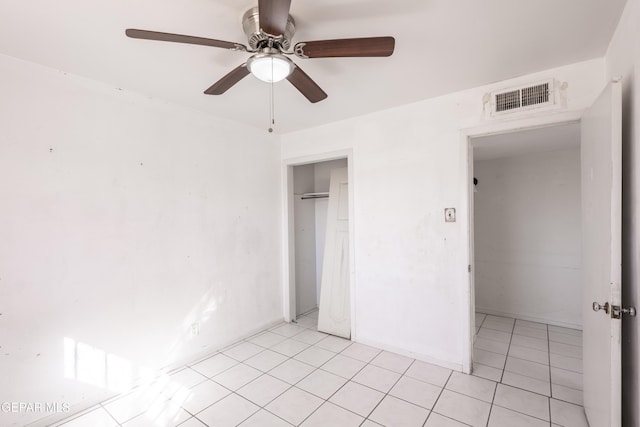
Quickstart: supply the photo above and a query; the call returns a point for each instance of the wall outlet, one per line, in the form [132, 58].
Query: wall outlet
[194, 331]
[450, 214]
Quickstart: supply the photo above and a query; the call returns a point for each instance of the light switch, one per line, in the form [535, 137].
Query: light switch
[450, 214]
[195, 329]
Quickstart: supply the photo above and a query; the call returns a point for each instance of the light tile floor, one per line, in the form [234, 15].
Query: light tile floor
[526, 374]
[537, 365]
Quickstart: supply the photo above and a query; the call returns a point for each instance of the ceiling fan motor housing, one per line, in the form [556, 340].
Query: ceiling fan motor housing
[257, 38]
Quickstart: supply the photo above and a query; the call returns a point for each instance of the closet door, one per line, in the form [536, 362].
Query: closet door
[334, 315]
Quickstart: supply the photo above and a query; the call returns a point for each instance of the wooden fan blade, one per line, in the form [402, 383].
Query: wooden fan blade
[179, 38]
[225, 83]
[306, 85]
[360, 47]
[274, 15]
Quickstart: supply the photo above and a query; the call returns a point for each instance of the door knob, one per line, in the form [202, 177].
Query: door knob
[598, 307]
[631, 311]
[616, 310]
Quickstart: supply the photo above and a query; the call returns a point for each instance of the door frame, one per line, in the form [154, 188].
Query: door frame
[466, 136]
[288, 231]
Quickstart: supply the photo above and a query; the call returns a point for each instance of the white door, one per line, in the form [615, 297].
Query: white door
[334, 315]
[601, 164]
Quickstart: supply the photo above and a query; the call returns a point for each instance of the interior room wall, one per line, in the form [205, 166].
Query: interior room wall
[527, 237]
[304, 217]
[623, 60]
[124, 222]
[409, 164]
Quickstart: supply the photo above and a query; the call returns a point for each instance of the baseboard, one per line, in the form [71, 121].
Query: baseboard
[418, 356]
[529, 318]
[84, 407]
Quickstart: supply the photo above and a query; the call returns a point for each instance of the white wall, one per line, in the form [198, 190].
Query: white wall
[124, 220]
[409, 163]
[623, 60]
[305, 239]
[527, 237]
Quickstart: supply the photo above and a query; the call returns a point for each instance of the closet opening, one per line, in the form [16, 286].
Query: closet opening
[319, 251]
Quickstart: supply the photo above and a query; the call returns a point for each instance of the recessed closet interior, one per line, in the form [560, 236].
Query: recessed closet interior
[311, 191]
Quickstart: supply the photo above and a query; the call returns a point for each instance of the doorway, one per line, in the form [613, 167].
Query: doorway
[311, 245]
[527, 260]
[601, 207]
[527, 231]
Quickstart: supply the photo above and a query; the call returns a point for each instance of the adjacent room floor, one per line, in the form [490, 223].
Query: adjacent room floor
[526, 374]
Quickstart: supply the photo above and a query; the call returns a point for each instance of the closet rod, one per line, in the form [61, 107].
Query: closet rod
[315, 195]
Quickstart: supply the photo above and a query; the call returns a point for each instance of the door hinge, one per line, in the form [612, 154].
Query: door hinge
[469, 268]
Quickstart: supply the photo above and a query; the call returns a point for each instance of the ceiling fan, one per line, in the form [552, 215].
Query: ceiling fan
[269, 29]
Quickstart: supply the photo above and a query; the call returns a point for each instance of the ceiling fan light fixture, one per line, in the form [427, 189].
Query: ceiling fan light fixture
[270, 67]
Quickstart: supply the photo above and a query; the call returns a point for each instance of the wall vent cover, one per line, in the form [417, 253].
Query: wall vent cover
[508, 100]
[523, 98]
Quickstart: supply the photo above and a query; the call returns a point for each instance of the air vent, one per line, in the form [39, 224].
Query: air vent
[525, 98]
[538, 94]
[508, 100]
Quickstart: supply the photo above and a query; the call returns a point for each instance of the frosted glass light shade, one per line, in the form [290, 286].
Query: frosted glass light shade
[270, 68]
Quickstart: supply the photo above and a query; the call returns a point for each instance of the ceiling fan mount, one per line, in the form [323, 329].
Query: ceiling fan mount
[258, 38]
[270, 29]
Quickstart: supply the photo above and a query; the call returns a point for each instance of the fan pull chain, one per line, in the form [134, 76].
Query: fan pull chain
[272, 106]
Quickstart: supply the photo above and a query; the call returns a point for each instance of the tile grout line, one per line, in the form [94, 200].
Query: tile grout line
[373, 389]
[340, 388]
[396, 397]
[523, 389]
[514, 410]
[390, 388]
[484, 401]
[439, 395]
[550, 383]
[506, 358]
[289, 384]
[262, 374]
[504, 367]
[351, 379]
[262, 407]
[493, 398]
[447, 417]
[112, 417]
[320, 368]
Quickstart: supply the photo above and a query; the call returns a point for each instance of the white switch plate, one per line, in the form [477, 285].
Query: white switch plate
[450, 214]
[195, 329]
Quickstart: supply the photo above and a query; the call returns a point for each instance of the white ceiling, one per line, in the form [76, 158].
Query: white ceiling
[550, 138]
[442, 46]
